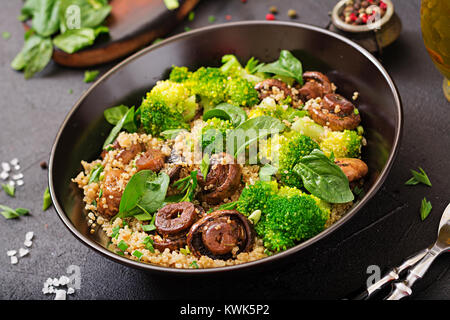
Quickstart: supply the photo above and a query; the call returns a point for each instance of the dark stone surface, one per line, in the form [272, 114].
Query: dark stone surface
[385, 232]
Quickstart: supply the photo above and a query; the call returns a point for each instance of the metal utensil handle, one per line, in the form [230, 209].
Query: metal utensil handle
[392, 275]
[404, 288]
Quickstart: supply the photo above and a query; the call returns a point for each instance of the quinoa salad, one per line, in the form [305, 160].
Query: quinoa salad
[220, 166]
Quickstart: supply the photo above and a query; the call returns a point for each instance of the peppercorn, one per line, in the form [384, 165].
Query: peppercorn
[292, 13]
[43, 165]
[273, 9]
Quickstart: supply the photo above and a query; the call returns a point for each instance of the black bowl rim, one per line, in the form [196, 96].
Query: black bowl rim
[270, 259]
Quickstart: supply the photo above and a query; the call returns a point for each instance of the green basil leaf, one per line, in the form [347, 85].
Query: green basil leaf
[46, 17]
[74, 40]
[266, 172]
[145, 191]
[34, 56]
[287, 65]
[323, 178]
[127, 118]
[255, 129]
[91, 13]
[114, 114]
[226, 111]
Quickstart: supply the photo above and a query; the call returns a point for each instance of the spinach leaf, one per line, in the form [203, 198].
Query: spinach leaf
[45, 17]
[323, 178]
[114, 114]
[267, 171]
[226, 111]
[126, 119]
[254, 129]
[287, 65]
[76, 39]
[172, 133]
[204, 166]
[144, 194]
[92, 13]
[34, 56]
[95, 174]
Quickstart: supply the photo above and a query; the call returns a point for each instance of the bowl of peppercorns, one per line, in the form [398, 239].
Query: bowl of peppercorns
[371, 23]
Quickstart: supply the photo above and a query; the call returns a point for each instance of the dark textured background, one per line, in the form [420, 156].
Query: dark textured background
[384, 233]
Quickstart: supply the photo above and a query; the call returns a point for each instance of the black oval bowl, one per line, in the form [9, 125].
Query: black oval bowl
[348, 65]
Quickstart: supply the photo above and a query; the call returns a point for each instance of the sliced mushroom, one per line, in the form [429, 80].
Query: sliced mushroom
[354, 169]
[152, 159]
[222, 181]
[316, 85]
[172, 224]
[126, 155]
[108, 204]
[266, 87]
[114, 145]
[221, 235]
[335, 112]
[175, 218]
[171, 243]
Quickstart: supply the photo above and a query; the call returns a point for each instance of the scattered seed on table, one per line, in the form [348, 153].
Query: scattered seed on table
[43, 165]
[19, 182]
[14, 162]
[29, 235]
[6, 167]
[273, 9]
[17, 176]
[292, 13]
[28, 243]
[11, 253]
[4, 175]
[23, 252]
[14, 260]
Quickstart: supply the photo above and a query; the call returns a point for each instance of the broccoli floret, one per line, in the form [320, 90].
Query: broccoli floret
[169, 105]
[343, 144]
[292, 149]
[210, 85]
[307, 126]
[269, 107]
[179, 74]
[232, 67]
[287, 214]
[241, 92]
[214, 134]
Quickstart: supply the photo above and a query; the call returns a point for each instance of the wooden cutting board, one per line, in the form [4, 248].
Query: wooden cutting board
[132, 24]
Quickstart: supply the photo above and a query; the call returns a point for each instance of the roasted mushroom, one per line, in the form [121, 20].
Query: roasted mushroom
[172, 223]
[152, 159]
[316, 85]
[222, 181]
[335, 112]
[221, 235]
[274, 88]
[354, 169]
[126, 155]
[108, 203]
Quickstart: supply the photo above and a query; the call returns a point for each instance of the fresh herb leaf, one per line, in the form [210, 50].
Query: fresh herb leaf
[22, 211]
[45, 17]
[115, 232]
[137, 254]
[148, 242]
[8, 212]
[267, 171]
[9, 189]
[127, 118]
[171, 4]
[90, 75]
[145, 192]
[191, 16]
[74, 40]
[172, 133]
[287, 65]
[95, 174]
[226, 111]
[425, 209]
[34, 56]
[254, 129]
[255, 216]
[185, 250]
[211, 19]
[252, 65]
[323, 178]
[122, 245]
[6, 35]
[418, 177]
[204, 166]
[186, 186]
[46, 200]
[91, 14]
[114, 114]
[194, 264]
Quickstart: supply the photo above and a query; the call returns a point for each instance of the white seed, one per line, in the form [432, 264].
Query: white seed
[11, 253]
[29, 235]
[12, 183]
[23, 252]
[28, 243]
[60, 295]
[6, 167]
[45, 290]
[55, 282]
[14, 162]
[48, 282]
[4, 175]
[51, 289]
[17, 168]
[19, 182]
[70, 290]
[17, 176]
[14, 260]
